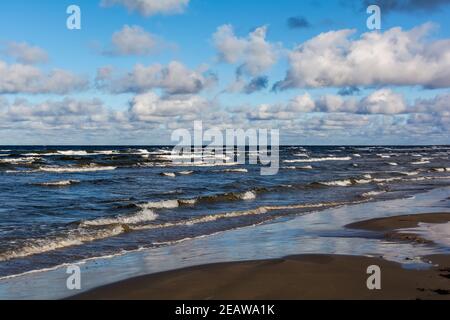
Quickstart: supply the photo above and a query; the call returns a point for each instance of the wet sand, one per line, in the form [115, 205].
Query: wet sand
[389, 226]
[297, 277]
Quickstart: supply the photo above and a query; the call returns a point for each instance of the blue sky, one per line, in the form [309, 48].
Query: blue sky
[186, 36]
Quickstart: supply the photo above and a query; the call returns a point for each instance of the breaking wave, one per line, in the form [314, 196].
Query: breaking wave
[144, 215]
[58, 183]
[91, 168]
[319, 159]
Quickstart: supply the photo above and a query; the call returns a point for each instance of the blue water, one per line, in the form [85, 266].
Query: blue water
[66, 204]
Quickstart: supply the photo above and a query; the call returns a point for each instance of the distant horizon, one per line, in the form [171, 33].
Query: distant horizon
[283, 145]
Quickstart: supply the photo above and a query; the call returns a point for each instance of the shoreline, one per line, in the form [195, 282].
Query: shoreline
[313, 276]
[287, 236]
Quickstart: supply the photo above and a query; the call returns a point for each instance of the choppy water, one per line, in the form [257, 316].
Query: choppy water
[65, 204]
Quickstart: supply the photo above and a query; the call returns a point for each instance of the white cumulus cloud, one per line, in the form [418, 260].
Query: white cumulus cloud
[25, 53]
[133, 40]
[150, 7]
[253, 53]
[394, 57]
[21, 78]
[175, 78]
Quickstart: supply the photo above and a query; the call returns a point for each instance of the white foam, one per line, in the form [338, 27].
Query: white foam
[441, 169]
[420, 162]
[412, 173]
[145, 215]
[319, 159]
[59, 183]
[76, 169]
[298, 168]
[20, 160]
[238, 170]
[73, 153]
[186, 173]
[372, 194]
[249, 195]
[338, 183]
[165, 204]
[301, 155]
[393, 164]
[203, 164]
[74, 239]
[169, 174]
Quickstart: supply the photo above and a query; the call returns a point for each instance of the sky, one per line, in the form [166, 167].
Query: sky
[139, 69]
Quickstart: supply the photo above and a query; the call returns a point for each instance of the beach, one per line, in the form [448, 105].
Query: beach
[298, 277]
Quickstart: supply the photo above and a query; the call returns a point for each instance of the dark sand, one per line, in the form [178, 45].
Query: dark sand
[295, 277]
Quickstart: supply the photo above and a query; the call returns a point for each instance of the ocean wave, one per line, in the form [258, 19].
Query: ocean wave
[319, 159]
[168, 174]
[75, 238]
[22, 160]
[372, 193]
[338, 183]
[186, 173]
[203, 164]
[393, 164]
[411, 173]
[104, 228]
[237, 170]
[420, 162]
[175, 203]
[58, 183]
[175, 174]
[235, 214]
[91, 168]
[164, 204]
[298, 168]
[144, 215]
[367, 178]
[440, 169]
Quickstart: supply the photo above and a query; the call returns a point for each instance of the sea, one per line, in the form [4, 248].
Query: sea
[64, 204]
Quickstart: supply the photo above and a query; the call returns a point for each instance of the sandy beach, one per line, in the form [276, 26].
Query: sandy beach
[299, 277]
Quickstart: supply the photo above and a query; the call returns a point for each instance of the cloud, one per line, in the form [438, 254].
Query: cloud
[150, 7]
[379, 102]
[133, 40]
[51, 114]
[21, 78]
[150, 107]
[298, 23]
[394, 57]
[383, 102]
[24, 53]
[302, 103]
[175, 78]
[388, 6]
[253, 53]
